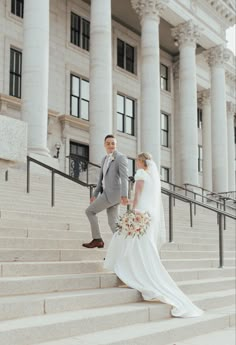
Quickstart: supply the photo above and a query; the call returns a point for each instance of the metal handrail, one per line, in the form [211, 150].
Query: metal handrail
[53, 171]
[171, 194]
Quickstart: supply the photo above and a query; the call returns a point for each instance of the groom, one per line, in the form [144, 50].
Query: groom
[111, 190]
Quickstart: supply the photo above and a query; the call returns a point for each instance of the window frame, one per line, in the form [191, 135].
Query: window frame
[126, 59]
[199, 118]
[200, 159]
[165, 131]
[17, 8]
[125, 116]
[164, 78]
[79, 36]
[15, 75]
[167, 170]
[79, 97]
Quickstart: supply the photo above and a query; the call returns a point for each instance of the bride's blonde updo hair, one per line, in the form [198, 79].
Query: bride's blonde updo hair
[144, 156]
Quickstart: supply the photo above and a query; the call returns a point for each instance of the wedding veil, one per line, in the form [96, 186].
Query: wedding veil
[157, 205]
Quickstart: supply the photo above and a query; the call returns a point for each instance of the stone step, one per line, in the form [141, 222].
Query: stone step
[136, 323]
[41, 284]
[55, 326]
[32, 305]
[11, 286]
[9, 269]
[164, 332]
[76, 243]
[56, 250]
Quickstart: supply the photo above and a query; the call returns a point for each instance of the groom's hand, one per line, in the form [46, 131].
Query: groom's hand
[92, 199]
[124, 200]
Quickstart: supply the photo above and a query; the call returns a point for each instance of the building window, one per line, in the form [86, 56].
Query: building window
[17, 8]
[15, 73]
[125, 114]
[164, 77]
[199, 118]
[131, 166]
[78, 160]
[200, 159]
[125, 56]
[79, 97]
[164, 130]
[165, 174]
[80, 31]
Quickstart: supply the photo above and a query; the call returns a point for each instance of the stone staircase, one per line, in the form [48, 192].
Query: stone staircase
[55, 292]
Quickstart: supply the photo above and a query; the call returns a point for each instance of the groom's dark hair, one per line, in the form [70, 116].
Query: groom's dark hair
[109, 136]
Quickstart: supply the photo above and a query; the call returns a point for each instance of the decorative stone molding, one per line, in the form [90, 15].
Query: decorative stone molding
[176, 70]
[217, 55]
[204, 97]
[231, 108]
[68, 120]
[186, 33]
[224, 9]
[8, 102]
[149, 7]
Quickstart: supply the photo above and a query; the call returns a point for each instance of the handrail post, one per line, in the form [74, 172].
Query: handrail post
[195, 206]
[221, 242]
[87, 173]
[174, 191]
[28, 175]
[170, 219]
[191, 214]
[224, 216]
[53, 189]
[6, 175]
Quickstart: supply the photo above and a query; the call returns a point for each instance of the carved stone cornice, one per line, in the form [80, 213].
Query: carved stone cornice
[152, 8]
[203, 97]
[217, 55]
[186, 33]
[71, 121]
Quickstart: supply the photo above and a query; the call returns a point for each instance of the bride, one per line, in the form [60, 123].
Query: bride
[136, 260]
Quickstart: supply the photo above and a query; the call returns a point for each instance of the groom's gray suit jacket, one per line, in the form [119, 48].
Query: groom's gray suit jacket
[116, 178]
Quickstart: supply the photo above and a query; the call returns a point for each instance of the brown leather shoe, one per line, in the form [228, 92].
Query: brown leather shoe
[94, 244]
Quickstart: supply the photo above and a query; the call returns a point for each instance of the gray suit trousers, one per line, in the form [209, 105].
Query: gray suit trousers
[100, 204]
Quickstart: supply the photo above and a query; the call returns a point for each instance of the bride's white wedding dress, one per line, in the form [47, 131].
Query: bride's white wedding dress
[136, 261]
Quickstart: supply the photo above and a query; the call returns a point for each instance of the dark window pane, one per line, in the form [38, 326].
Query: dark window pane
[86, 34]
[129, 58]
[15, 73]
[120, 53]
[75, 29]
[131, 167]
[17, 7]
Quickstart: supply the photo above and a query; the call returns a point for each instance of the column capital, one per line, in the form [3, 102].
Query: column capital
[217, 55]
[186, 33]
[231, 108]
[152, 8]
[204, 97]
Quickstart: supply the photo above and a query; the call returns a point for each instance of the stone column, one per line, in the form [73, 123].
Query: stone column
[100, 114]
[231, 145]
[177, 165]
[216, 57]
[205, 102]
[186, 35]
[149, 12]
[35, 74]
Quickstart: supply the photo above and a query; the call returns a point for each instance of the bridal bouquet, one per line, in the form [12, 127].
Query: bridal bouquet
[133, 223]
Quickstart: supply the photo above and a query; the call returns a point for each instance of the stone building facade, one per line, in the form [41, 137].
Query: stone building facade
[155, 73]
